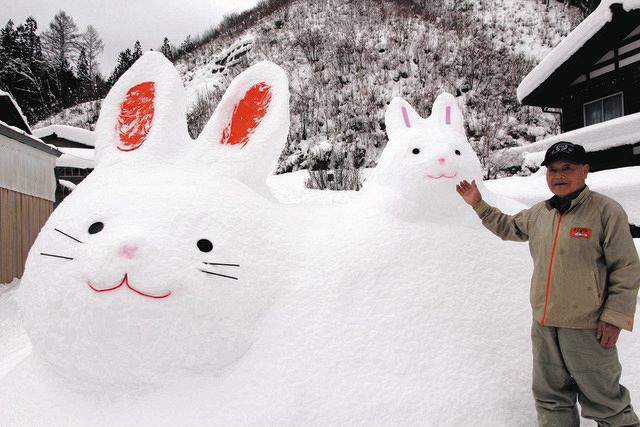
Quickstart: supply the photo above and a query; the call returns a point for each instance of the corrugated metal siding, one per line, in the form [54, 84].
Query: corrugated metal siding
[21, 218]
[26, 170]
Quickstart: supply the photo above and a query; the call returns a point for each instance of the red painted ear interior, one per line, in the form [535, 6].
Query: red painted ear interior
[247, 115]
[136, 115]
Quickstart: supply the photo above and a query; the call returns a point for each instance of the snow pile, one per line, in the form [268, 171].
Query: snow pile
[571, 44]
[14, 344]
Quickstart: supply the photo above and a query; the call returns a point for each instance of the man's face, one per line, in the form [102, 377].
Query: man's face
[564, 178]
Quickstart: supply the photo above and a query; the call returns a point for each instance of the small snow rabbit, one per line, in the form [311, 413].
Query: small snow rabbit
[423, 161]
[162, 259]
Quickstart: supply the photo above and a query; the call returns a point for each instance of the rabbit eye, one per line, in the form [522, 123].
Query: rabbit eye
[96, 227]
[205, 245]
[416, 151]
[457, 152]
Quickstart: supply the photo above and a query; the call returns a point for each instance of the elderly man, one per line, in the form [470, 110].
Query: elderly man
[583, 291]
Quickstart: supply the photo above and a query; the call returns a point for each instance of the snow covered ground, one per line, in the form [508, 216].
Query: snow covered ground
[435, 315]
[170, 288]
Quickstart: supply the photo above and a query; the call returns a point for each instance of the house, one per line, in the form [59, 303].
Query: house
[592, 80]
[27, 187]
[77, 159]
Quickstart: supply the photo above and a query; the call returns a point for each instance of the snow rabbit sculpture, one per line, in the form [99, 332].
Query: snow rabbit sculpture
[424, 160]
[159, 261]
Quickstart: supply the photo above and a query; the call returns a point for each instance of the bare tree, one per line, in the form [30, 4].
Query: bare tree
[311, 42]
[93, 46]
[60, 40]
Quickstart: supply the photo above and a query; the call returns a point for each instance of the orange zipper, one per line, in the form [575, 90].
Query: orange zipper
[553, 253]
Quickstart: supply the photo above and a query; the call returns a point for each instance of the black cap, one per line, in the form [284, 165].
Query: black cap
[565, 150]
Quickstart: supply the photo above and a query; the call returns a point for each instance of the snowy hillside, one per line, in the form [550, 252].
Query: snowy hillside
[346, 60]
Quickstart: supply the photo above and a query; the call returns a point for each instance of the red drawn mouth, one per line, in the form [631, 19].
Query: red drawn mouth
[125, 281]
[442, 176]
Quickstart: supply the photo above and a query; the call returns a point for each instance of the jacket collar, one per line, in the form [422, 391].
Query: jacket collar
[554, 202]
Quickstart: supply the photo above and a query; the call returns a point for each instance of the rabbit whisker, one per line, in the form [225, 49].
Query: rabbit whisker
[219, 263]
[71, 237]
[56, 256]
[221, 275]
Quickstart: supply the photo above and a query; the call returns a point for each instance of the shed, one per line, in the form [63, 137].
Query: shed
[27, 191]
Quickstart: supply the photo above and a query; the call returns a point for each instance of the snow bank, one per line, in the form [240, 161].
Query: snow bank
[14, 343]
[620, 184]
[601, 136]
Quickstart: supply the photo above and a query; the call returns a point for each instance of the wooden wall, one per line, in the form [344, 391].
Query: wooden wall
[21, 218]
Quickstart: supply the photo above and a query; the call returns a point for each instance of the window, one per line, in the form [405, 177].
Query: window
[603, 109]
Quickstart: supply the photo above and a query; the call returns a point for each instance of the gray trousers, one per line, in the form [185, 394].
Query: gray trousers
[570, 364]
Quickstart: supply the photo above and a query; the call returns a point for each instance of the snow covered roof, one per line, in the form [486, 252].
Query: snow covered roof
[601, 136]
[11, 114]
[81, 158]
[71, 133]
[23, 137]
[571, 44]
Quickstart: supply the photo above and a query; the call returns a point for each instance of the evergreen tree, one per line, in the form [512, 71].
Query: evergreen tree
[22, 70]
[8, 38]
[85, 83]
[29, 41]
[187, 45]
[125, 60]
[137, 51]
[166, 49]
[8, 51]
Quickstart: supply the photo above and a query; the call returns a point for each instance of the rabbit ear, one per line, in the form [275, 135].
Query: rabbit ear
[446, 112]
[399, 117]
[249, 127]
[144, 113]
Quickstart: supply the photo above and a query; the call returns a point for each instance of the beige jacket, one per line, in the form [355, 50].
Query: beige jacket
[586, 267]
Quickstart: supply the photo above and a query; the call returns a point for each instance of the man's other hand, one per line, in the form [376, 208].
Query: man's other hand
[469, 192]
[607, 334]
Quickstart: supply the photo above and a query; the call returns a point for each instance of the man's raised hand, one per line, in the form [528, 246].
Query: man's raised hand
[469, 192]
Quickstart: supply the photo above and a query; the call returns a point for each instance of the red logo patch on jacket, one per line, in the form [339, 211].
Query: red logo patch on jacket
[581, 232]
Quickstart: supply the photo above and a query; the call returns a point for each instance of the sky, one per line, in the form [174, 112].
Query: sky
[121, 22]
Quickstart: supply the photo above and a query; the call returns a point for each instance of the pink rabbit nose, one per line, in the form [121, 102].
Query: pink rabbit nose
[442, 160]
[128, 251]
